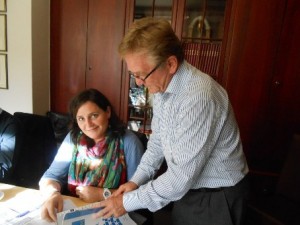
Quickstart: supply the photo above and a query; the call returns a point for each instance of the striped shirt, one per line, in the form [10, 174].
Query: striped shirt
[194, 130]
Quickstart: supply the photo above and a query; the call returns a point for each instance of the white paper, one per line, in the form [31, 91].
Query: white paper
[25, 209]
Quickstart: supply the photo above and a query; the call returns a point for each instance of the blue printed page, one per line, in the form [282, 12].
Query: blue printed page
[83, 216]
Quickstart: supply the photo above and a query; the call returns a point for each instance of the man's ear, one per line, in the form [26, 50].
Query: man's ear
[172, 64]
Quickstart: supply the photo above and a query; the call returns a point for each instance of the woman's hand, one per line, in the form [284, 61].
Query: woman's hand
[89, 193]
[51, 206]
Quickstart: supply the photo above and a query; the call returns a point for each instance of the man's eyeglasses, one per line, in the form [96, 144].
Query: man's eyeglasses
[131, 74]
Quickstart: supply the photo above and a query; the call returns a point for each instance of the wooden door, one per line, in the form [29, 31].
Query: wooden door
[284, 111]
[84, 41]
[262, 77]
[68, 51]
[106, 24]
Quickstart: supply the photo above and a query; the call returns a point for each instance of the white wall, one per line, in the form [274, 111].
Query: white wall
[28, 40]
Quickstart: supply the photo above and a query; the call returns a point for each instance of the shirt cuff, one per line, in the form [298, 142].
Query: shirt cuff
[139, 179]
[131, 201]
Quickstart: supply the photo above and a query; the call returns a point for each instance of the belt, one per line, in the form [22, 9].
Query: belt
[207, 189]
[219, 188]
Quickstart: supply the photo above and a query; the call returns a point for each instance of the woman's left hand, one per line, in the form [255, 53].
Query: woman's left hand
[89, 193]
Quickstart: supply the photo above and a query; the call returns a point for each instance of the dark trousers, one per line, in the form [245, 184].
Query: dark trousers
[204, 206]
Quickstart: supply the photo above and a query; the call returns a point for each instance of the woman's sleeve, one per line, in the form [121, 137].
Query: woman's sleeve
[59, 168]
[133, 150]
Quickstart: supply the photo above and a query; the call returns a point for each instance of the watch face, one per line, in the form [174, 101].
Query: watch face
[106, 193]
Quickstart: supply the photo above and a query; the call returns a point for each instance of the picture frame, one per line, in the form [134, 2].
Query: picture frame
[3, 71]
[3, 6]
[3, 33]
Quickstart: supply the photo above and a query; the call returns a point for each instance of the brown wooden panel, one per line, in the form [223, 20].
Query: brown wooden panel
[254, 37]
[105, 31]
[68, 51]
[285, 89]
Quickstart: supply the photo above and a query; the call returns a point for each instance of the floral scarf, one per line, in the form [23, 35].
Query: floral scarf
[102, 165]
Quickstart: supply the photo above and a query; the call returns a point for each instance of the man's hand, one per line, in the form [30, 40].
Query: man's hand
[51, 206]
[129, 186]
[112, 207]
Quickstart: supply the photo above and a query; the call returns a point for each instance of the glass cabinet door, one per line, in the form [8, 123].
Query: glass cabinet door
[154, 8]
[140, 107]
[202, 34]
[200, 26]
[204, 20]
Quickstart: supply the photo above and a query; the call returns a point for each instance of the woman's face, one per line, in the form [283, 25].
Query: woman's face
[93, 121]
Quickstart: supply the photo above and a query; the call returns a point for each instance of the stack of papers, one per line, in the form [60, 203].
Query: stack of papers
[25, 209]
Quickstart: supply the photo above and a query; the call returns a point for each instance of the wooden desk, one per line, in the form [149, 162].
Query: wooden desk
[19, 200]
[10, 191]
[15, 196]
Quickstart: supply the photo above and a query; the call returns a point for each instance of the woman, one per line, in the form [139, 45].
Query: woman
[97, 155]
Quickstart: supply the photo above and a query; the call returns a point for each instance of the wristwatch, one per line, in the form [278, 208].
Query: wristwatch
[106, 193]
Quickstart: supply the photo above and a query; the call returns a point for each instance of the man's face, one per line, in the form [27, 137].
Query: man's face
[153, 76]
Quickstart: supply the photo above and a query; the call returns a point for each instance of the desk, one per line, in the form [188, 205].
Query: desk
[26, 196]
[19, 199]
[11, 191]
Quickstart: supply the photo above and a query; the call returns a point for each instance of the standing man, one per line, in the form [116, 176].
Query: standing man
[193, 129]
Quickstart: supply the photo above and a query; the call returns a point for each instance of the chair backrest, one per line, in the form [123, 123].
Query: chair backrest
[289, 180]
[35, 149]
[60, 123]
[143, 138]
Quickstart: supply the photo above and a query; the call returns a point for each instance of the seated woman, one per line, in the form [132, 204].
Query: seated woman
[8, 131]
[97, 155]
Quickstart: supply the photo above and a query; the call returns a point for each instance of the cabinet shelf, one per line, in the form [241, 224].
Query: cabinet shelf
[136, 118]
[140, 106]
[139, 116]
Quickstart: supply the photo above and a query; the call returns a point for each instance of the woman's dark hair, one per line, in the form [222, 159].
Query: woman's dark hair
[116, 127]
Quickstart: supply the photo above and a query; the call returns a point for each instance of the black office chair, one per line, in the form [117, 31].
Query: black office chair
[60, 124]
[35, 149]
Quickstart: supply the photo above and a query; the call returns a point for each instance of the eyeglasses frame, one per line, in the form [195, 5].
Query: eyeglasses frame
[131, 74]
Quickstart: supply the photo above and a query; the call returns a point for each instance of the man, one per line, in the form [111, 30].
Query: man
[193, 129]
[7, 144]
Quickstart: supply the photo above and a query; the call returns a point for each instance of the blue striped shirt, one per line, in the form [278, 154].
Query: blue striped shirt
[194, 130]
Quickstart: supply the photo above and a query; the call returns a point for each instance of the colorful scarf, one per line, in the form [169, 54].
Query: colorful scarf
[102, 165]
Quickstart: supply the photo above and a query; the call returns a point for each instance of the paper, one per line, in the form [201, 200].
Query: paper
[25, 209]
[83, 215]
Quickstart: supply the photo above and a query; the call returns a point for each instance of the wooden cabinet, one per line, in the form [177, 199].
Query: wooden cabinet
[258, 63]
[139, 109]
[258, 66]
[200, 26]
[262, 77]
[84, 38]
